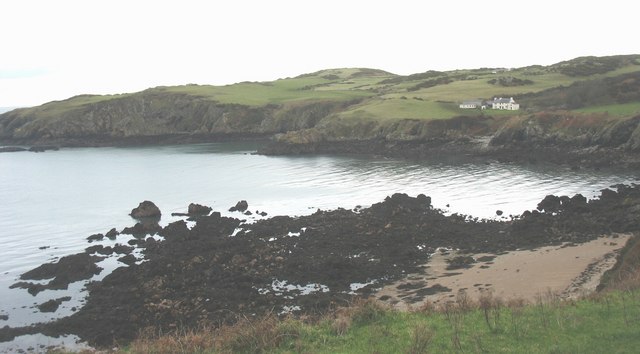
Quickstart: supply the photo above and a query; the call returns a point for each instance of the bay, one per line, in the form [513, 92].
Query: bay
[50, 202]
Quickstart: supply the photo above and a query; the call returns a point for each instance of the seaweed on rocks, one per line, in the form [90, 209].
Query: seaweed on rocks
[205, 276]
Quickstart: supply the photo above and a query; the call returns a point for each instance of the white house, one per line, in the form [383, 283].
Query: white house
[505, 103]
[472, 104]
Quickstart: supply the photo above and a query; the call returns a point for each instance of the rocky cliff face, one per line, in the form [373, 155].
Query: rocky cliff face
[557, 137]
[565, 129]
[149, 114]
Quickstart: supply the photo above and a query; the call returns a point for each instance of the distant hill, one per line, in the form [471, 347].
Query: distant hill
[6, 109]
[342, 103]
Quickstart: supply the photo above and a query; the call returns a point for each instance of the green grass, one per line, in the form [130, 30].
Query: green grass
[260, 94]
[397, 108]
[607, 323]
[413, 107]
[625, 109]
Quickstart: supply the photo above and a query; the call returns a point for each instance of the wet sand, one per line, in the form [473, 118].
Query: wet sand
[569, 271]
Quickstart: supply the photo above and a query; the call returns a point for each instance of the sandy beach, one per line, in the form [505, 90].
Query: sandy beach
[568, 271]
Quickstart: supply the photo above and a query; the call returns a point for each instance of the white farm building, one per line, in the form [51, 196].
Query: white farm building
[472, 104]
[505, 103]
[508, 104]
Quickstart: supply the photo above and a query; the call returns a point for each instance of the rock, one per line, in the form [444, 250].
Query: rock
[72, 268]
[248, 213]
[49, 306]
[141, 229]
[549, 204]
[43, 148]
[99, 249]
[239, 260]
[111, 234]
[262, 213]
[122, 249]
[461, 262]
[128, 259]
[12, 149]
[241, 206]
[499, 212]
[4, 317]
[424, 199]
[146, 209]
[197, 209]
[52, 305]
[95, 237]
[578, 200]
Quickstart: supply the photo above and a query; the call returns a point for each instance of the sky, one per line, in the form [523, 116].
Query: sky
[52, 50]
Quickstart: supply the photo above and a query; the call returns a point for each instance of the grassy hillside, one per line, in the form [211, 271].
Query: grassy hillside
[588, 84]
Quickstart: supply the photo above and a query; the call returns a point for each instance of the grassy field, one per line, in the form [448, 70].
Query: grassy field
[606, 323]
[413, 107]
[625, 109]
[260, 94]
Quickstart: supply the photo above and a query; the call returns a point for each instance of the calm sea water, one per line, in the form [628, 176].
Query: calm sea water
[50, 202]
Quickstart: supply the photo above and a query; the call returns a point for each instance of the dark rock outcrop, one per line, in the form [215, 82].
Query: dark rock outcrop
[146, 209]
[12, 149]
[240, 206]
[43, 148]
[128, 259]
[95, 237]
[53, 304]
[64, 272]
[197, 209]
[111, 234]
[142, 229]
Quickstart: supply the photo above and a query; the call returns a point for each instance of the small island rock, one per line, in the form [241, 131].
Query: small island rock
[241, 206]
[146, 209]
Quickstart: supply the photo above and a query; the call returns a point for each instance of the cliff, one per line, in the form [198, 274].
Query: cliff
[94, 120]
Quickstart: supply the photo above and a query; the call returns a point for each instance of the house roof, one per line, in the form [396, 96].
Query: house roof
[477, 102]
[503, 100]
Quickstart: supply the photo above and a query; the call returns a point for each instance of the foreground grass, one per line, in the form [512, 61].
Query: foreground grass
[607, 322]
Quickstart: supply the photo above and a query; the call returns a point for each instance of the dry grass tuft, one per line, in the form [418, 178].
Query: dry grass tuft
[181, 341]
[421, 338]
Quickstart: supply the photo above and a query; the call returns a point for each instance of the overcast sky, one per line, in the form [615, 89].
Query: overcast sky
[53, 50]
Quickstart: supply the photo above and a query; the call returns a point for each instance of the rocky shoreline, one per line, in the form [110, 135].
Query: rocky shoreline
[478, 148]
[211, 269]
[556, 137]
[19, 145]
[469, 148]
